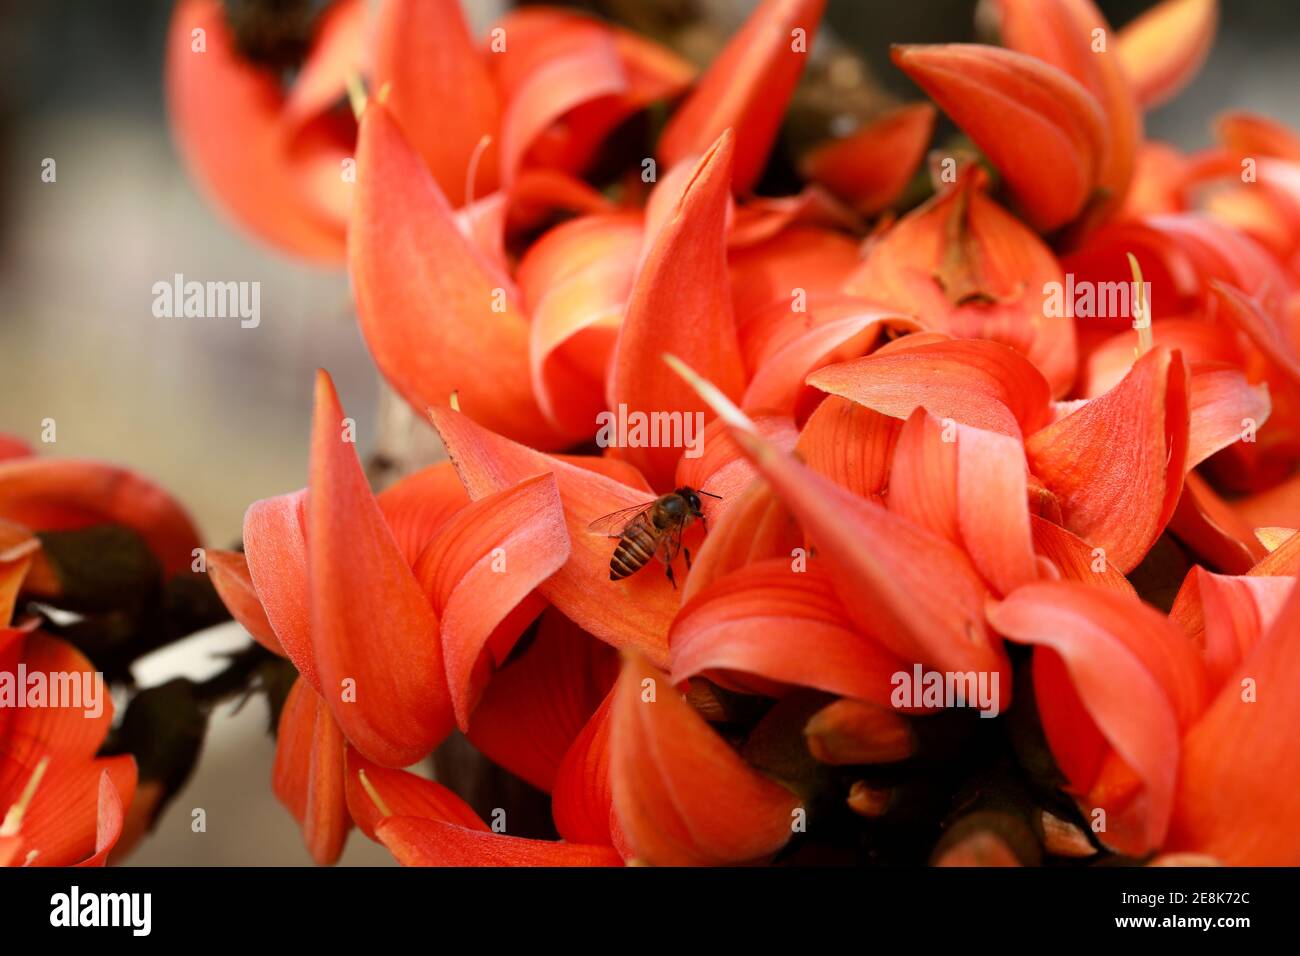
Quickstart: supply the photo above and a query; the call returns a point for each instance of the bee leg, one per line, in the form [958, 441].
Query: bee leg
[668, 569]
[687, 552]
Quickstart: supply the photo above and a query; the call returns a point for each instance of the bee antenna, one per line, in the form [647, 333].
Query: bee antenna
[711, 494]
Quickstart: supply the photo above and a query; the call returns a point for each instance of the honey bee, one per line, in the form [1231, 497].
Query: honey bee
[651, 529]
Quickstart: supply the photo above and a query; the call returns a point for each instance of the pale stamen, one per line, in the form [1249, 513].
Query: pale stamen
[1141, 309]
[374, 794]
[14, 816]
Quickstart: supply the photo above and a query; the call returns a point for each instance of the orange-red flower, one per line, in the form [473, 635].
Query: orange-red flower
[60, 804]
[921, 464]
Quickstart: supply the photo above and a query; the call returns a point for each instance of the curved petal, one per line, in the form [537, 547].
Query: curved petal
[683, 796]
[1074, 559]
[418, 841]
[1212, 529]
[582, 801]
[782, 626]
[576, 280]
[58, 728]
[537, 705]
[1254, 135]
[1239, 785]
[1065, 34]
[571, 73]
[275, 548]
[747, 88]
[968, 485]
[1043, 130]
[404, 794]
[871, 167]
[771, 273]
[1227, 615]
[61, 825]
[982, 384]
[483, 562]
[852, 445]
[424, 55]
[418, 505]
[1164, 47]
[108, 825]
[229, 573]
[680, 296]
[226, 117]
[827, 336]
[633, 612]
[308, 777]
[1222, 406]
[722, 469]
[61, 494]
[754, 526]
[1136, 677]
[1117, 463]
[374, 635]
[436, 314]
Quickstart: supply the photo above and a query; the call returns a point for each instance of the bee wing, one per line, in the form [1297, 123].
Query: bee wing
[671, 542]
[612, 524]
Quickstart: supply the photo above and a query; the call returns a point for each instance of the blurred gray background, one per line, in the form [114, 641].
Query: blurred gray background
[220, 414]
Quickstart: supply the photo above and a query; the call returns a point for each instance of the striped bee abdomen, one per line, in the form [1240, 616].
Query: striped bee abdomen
[635, 548]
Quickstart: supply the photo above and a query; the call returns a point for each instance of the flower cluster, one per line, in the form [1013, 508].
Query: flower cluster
[1023, 451]
[95, 539]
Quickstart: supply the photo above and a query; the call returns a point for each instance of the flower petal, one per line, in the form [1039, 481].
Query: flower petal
[852, 445]
[754, 526]
[537, 705]
[229, 573]
[1117, 463]
[437, 315]
[1064, 33]
[418, 841]
[1227, 615]
[484, 561]
[902, 584]
[1164, 47]
[62, 494]
[309, 772]
[61, 826]
[418, 505]
[1074, 559]
[226, 117]
[1239, 786]
[633, 612]
[1222, 405]
[747, 88]
[404, 794]
[582, 801]
[871, 167]
[683, 796]
[424, 55]
[275, 547]
[1043, 130]
[392, 705]
[57, 728]
[968, 485]
[681, 296]
[982, 384]
[1135, 675]
[108, 825]
[782, 626]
